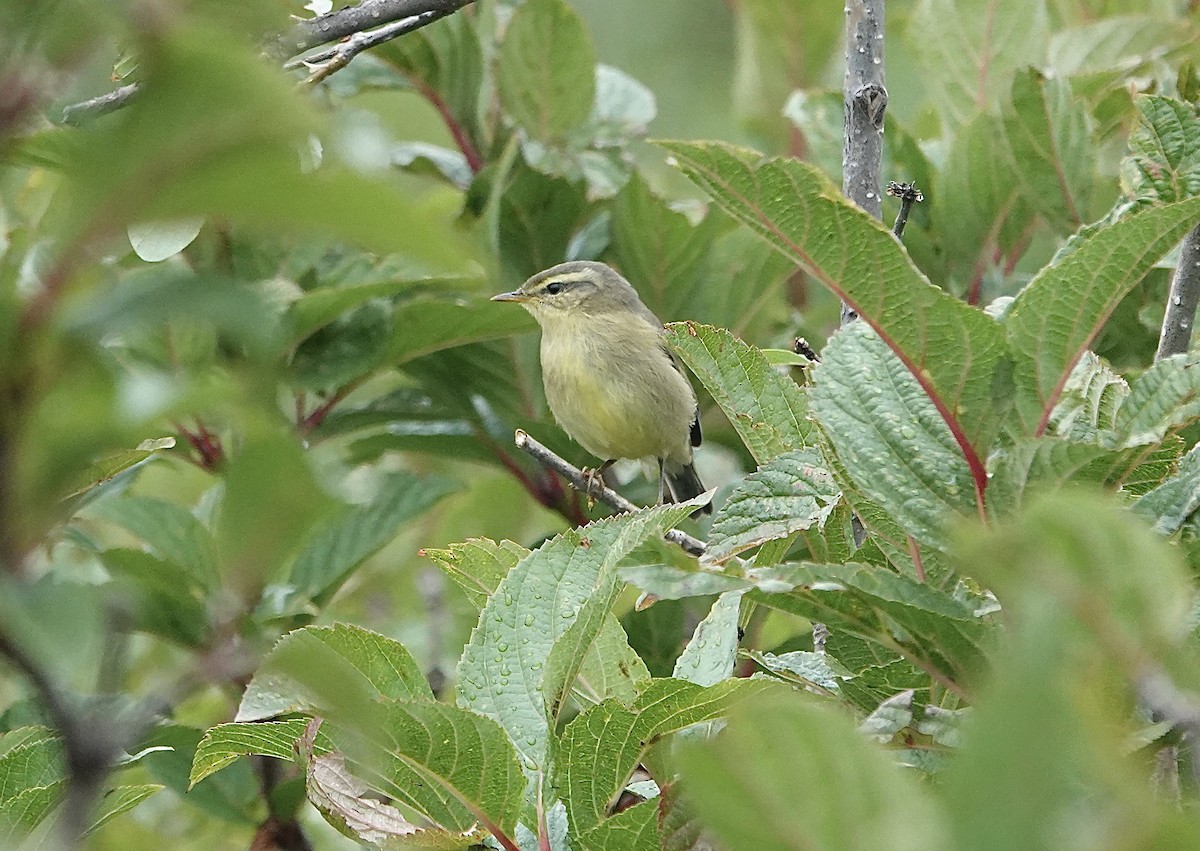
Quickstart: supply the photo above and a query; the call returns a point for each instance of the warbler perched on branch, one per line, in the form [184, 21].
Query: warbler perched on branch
[611, 382]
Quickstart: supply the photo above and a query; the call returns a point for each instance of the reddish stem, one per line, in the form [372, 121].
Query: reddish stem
[914, 551]
[461, 138]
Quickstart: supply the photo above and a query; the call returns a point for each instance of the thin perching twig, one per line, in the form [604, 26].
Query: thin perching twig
[690, 545]
[1176, 334]
[909, 194]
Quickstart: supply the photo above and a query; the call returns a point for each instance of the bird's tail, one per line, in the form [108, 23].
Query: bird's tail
[680, 483]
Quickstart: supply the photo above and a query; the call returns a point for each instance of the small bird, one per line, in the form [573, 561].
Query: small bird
[610, 380]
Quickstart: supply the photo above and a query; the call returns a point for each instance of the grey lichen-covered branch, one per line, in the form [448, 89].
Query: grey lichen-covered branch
[387, 19]
[690, 545]
[865, 101]
[354, 19]
[1180, 318]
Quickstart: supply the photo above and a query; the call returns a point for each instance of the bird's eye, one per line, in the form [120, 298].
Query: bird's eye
[555, 288]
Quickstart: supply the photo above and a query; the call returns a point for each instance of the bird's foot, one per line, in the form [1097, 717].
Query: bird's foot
[593, 478]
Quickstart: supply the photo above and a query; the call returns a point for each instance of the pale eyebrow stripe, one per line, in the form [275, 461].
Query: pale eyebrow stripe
[567, 278]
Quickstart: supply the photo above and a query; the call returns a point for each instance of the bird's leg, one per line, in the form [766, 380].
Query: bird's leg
[595, 478]
[662, 483]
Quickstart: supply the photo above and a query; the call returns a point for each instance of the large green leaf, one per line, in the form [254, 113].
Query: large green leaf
[342, 543]
[711, 652]
[501, 671]
[455, 767]
[955, 352]
[786, 774]
[162, 597]
[1047, 132]
[546, 73]
[223, 744]
[890, 438]
[1163, 164]
[1163, 398]
[601, 747]
[1058, 314]
[941, 634]
[1170, 504]
[477, 565]
[971, 50]
[790, 493]
[978, 208]
[766, 407]
[171, 530]
[316, 666]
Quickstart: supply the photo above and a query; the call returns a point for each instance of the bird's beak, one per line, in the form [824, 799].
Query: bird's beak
[515, 295]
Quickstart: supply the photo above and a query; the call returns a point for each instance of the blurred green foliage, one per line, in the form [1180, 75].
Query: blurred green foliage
[263, 526]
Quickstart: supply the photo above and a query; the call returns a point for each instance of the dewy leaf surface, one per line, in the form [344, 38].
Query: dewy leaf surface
[889, 437]
[1059, 313]
[789, 494]
[953, 350]
[501, 671]
[766, 407]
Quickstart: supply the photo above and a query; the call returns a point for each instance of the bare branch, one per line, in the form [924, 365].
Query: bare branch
[89, 748]
[690, 545]
[368, 14]
[387, 18]
[865, 100]
[80, 113]
[1176, 334]
[336, 58]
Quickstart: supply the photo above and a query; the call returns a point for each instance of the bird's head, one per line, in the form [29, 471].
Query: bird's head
[575, 289]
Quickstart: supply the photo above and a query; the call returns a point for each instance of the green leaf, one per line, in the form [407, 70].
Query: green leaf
[320, 307]
[455, 767]
[939, 633]
[501, 670]
[337, 547]
[120, 799]
[232, 796]
[223, 744]
[601, 747]
[155, 241]
[749, 786]
[572, 646]
[1090, 400]
[955, 352]
[1163, 164]
[268, 470]
[1048, 135]
[161, 597]
[546, 74]
[970, 51]
[349, 805]
[478, 565]
[1059, 313]
[20, 814]
[889, 718]
[668, 582]
[1078, 547]
[1163, 398]
[659, 249]
[1170, 504]
[979, 208]
[804, 668]
[632, 829]
[171, 531]
[790, 493]
[35, 760]
[889, 436]
[1042, 463]
[311, 668]
[427, 326]
[711, 652]
[766, 407]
